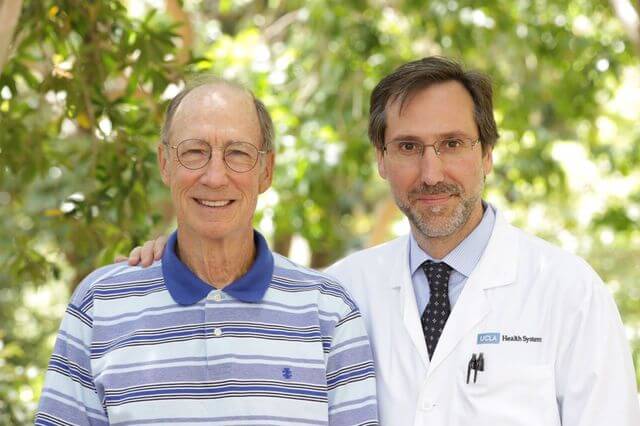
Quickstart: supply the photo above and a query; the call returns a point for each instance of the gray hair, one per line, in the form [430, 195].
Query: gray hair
[264, 118]
[411, 77]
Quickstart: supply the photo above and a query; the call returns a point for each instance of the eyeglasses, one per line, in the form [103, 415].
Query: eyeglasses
[445, 149]
[194, 154]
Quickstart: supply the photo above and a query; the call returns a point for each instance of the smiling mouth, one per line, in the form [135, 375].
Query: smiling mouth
[434, 199]
[209, 203]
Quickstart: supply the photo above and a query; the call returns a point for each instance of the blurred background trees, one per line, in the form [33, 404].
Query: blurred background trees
[83, 87]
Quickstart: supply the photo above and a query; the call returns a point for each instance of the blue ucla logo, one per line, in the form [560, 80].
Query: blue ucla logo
[488, 338]
[287, 373]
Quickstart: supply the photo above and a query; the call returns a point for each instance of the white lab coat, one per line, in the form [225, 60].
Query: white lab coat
[579, 373]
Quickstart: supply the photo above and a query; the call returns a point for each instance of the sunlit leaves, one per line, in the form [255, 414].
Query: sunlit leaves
[78, 126]
[81, 103]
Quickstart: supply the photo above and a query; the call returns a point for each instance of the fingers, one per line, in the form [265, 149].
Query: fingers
[146, 254]
[120, 258]
[134, 256]
[158, 247]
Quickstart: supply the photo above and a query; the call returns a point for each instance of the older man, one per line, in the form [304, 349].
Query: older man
[472, 320]
[222, 331]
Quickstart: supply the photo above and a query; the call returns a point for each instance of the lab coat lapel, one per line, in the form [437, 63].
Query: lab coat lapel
[409, 306]
[496, 267]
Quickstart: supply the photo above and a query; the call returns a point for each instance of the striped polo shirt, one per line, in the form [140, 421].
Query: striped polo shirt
[280, 345]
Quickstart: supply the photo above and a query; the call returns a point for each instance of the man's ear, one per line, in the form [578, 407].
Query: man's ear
[163, 162]
[266, 171]
[381, 167]
[487, 159]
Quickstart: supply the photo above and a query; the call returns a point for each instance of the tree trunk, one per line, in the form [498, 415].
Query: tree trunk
[321, 259]
[630, 18]
[282, 242]
[386, 213]
[9, 14]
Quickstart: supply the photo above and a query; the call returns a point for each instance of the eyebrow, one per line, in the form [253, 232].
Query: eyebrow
[411, 138]
[208, 142]
[438, 136]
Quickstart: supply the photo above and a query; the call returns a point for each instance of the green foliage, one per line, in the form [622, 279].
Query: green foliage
[82, 101]
[79, 121]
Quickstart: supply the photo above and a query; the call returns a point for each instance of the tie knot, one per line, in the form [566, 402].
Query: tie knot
[437, 274]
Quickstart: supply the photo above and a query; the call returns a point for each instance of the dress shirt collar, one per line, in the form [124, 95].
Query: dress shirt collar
[466, 255]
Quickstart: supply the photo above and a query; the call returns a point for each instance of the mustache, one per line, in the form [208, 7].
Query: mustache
[437, 189]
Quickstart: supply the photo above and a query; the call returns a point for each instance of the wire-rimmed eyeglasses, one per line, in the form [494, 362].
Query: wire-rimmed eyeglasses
[445, 149]
[194, 154]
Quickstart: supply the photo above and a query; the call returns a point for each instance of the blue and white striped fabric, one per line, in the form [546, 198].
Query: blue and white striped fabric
[157, 345]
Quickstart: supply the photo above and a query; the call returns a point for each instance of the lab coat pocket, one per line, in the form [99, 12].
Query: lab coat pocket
[510, 394]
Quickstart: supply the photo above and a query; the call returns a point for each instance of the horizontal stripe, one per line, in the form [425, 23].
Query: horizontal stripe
[72, 370]
[226, 420]
[164, 363]
[369, 400]
[216, 393]
[80, 315]
[73, 403]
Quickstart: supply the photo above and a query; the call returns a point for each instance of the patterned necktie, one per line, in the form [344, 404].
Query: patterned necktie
[437, 311]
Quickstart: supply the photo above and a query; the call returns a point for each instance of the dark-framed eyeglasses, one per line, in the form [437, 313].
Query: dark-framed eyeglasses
[238, 156]
[445, 149]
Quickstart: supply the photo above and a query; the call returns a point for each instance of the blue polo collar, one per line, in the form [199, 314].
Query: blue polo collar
[186, 288]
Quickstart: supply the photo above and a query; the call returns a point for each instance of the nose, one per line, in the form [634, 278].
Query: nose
[215, 173]
[431, 167]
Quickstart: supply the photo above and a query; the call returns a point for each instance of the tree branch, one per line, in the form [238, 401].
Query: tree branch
[279, 25]
[175, 10]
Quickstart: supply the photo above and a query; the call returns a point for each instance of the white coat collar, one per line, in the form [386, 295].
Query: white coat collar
[500, 255]
[496, 267]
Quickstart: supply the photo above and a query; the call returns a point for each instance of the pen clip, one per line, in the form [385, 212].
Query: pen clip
[471, 366]
[479, 366]
[480, 362]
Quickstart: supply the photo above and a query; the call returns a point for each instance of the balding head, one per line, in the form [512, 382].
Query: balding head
[213, 92]
[215, 163]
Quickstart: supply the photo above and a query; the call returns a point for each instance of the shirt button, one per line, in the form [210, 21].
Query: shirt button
[217, 332]
[217, 296]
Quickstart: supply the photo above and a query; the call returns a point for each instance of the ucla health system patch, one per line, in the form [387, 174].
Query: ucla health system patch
[495, 338]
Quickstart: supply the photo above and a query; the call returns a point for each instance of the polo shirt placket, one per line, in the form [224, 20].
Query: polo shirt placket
[216, 343]
[187, 288]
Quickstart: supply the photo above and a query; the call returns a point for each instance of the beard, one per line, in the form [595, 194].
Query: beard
[440, 221]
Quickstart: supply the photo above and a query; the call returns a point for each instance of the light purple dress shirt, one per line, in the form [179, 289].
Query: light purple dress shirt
[463, 259]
